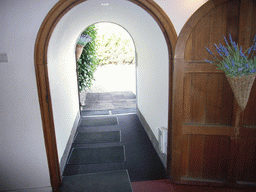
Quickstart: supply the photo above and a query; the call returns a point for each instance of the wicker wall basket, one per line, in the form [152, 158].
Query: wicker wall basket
[241, 87]
[79, 50]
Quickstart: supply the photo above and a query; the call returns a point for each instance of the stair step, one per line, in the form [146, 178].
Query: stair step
[101, 182]
[98, 121]
[92, 168]
[97, 137]
[112, 154]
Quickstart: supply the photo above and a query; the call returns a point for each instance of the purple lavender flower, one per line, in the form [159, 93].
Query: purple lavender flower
[218, 50]
[249, 50]
[225, 51]
[231, 40]
[226, 40]
[208, 61]
[254, 47]
[232, 43]
[247, 65]
[221, 46]
[208, 50]
[216, 46]
[240, 69]
[235, 46]
[226, 66]
[233, 63]
[253, 71]
[241, 53]
[221, 50]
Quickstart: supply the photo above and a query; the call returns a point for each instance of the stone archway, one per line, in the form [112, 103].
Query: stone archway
[41, 47]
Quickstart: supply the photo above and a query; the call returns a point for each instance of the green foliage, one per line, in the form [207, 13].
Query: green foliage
[87, 63]
[114, 50]
[232, 60]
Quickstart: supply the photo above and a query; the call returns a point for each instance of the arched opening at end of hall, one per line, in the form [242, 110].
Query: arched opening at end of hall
[106, 70]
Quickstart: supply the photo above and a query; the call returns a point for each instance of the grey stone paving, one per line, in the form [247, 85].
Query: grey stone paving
[109, 101]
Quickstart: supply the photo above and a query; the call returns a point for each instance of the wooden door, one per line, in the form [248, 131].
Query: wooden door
[204, 107]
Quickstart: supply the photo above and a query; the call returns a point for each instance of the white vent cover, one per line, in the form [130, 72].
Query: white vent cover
[162, 134]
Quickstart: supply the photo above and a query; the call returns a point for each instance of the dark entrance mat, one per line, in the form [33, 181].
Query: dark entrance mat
[98, 137]
[114, 181]
[97, 155]
[98, 121]
[124, 111]
[94, 112]
[92, 168]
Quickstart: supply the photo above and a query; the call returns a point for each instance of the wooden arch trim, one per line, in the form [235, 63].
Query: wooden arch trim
[40, 57]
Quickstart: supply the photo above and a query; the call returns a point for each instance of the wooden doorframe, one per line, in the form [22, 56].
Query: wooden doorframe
[40, 62]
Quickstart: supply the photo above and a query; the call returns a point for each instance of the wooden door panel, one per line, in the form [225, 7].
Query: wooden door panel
[198, 95]
[196, 154]
[214, 99]
[216, 152]
[185, 155]
[205, 157]
[246, 169]
[204, 102]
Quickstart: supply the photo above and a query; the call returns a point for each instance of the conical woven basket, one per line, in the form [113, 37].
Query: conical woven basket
[79, 50]
[241, 87]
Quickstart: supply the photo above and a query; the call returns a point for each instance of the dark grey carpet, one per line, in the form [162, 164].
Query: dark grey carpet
[97, 155]
[98, 121]
[98, 137]
[115, 181]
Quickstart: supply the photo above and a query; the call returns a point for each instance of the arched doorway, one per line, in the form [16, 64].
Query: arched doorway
[41, 68]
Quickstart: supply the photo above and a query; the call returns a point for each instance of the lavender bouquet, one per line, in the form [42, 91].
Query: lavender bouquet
[240, 70]
[233, 61]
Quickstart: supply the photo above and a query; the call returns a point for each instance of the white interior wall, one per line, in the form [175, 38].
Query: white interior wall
[23, 162]
[63, 84]
[179, 10]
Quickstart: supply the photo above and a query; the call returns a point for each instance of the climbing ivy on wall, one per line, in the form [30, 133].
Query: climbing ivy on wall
[87, 63]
